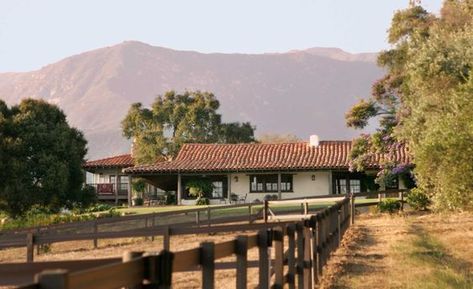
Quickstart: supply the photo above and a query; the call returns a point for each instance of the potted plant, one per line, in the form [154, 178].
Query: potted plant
[138, 189]
[199, 189]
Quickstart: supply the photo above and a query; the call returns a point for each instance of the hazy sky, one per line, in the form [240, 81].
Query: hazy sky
[34, 33]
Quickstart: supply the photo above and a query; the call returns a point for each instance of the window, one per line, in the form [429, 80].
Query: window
[112, 179]
[218, 189]
[286, 183]
[101, 179]
[343, 184]
[355, 186]
[269, 183]
[123, 183]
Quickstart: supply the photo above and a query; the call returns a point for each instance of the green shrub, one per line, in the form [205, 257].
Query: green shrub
[170, 198]
[389, 206]
[138, 202]
[199, 188]
[418, 199]
[202, 201]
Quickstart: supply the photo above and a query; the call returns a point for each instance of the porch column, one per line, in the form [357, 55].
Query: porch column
[130, 179]
[179, 189]
[229, 187]
[330, 182]
[279, 186]
[116, 186]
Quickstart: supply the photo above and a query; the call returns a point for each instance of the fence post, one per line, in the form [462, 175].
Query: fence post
[265, 211]
[96, 229]
[52, 279]
[38, 247]
[250, 213]
[241, 251]
[352, 209]
[401, 196]
[278, 235]
[318, 241]
[153, 224]
[300, 255]
[29, 246]
[146, 226]
[197, 218]
[128, 256]
[339, 227]
[291, 257]
[208, 216]
[207, 261]
[307, 257]
[167, 238]
[264, 272]
[314, 237]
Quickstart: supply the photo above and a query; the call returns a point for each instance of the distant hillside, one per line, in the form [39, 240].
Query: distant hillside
[299, 92]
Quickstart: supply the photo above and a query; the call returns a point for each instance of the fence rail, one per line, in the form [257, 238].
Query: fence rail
[309, 244]
[151, 225]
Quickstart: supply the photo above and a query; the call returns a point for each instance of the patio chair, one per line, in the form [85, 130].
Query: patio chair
[242, 199]
[233, 198]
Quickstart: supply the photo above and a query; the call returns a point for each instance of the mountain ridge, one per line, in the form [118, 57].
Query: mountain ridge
[300, 92]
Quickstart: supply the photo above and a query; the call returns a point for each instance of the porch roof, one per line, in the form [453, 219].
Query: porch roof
[120, 161]
[205, 158]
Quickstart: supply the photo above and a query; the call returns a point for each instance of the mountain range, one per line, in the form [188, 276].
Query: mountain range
[300, 92]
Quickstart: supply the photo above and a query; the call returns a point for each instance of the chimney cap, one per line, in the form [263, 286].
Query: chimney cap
[314, 140]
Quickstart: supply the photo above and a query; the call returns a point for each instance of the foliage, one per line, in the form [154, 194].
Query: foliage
[40, 158]
[425, 102]
[138, 186]
[170, 198]
[98, 207]
[199, 187]
[389, 206]
[138, 201]
[39, 216]
[418, 199]
[202, 201]
[236, 132]
[278, 138]
[175, 119]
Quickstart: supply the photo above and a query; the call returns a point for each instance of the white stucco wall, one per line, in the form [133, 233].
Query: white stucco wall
[303, 185]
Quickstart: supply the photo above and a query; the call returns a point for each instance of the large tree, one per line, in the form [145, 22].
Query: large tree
[41, 158]
[173, 119]
[425, 102]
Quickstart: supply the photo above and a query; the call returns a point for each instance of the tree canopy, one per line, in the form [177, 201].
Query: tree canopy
[177, 118]
[40, 158]
[425, 101]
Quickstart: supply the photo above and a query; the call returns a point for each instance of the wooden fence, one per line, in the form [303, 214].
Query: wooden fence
[183, 222]
[310, 242]
[126, 226]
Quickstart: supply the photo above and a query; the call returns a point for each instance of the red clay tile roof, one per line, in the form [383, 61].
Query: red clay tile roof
[121, 161]
[260, 157]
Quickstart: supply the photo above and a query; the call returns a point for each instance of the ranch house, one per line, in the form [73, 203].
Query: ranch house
[252, 172]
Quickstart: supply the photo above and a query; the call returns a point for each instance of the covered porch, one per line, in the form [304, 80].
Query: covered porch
[221, 193]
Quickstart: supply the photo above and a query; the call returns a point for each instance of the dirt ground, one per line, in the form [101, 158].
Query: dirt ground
[414, 250]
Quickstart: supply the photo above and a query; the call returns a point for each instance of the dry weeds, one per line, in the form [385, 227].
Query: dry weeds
[404, 251]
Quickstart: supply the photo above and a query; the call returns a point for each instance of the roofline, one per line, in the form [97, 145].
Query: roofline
[180, 171]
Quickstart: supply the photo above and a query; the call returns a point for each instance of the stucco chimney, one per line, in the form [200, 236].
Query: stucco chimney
[133, 147]
[314, 140]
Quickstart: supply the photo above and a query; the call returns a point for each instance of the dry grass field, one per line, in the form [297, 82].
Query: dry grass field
[411, 251]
